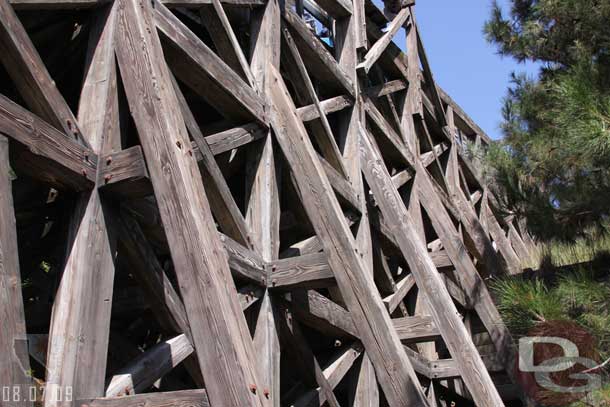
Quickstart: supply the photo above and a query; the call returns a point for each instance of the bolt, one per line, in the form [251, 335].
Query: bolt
[179, 144]
[337, 343]
[266, 393]
[84, 172]
[107, 178]
[108, 160]
[253, 388]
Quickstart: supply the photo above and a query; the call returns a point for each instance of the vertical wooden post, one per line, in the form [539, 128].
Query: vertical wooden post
[14, 363]
[218, 328]
[263, 206]
[80, 322]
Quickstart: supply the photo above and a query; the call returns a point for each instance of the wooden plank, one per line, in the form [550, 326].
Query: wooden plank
[307, 271]
[366, 392]
[320, 62]
[306, 359]
[217, 23]
[416, 329]
[335, 104]
[392, 60]
[227, 140]
[245, 264]
[402, 289]
[80, 321]
[204, 72]
[30, 76]
[224, 208]
[87, 4]
[398, 380]
[382, 43]
[428, 281]
[141, 373]
[303, 85]
[49, 155]
[467, 277]
[124, 174]
[506, 251]
[220, 335]
[334, 371]
[321, 313]
[15, 363]
[336, 8]
[182, 398]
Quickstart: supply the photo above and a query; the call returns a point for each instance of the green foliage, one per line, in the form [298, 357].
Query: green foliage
[553, 164]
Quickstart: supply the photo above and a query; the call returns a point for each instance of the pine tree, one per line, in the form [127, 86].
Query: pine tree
[554, 162]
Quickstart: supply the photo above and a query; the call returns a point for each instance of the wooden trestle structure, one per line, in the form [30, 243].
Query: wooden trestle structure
[208, 204]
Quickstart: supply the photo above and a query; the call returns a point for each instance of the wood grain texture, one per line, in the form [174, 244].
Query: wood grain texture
[428, 280]
[184, 398]
[15, 364]
[80, 321]
[49, 155]
[398, 380]
[200, 262]
[30, 76]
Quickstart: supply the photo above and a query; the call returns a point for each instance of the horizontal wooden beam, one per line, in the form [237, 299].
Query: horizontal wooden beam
[124, 174]
[416, 329]
[307, 271]
[191, 398]
[49, 155]
[86, 4]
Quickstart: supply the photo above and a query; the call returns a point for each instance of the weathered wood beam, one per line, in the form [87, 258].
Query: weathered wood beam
[217, 23]
[87, 4]
[15, 363]
[506, 251]
[398, 381]
[303, 85]
[416, 329]
[467, 276]
[428, 280]
[49, 155]
[220, 335]
[402, 289]
[150, 366]
[124, 174]
[392, 60]
[263, 196]
[366, 390]
[224, 208]
[321, 313]
[80, 321]
[204, 72]
[30, 76]
[320, 62]
[382, 43]
[334, 371]
[182, 398]
[306, 271]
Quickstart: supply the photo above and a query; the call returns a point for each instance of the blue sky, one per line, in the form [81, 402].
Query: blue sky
[462, 62]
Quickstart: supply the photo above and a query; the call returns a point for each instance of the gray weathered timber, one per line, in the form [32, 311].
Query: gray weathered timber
[220, 335]
[398, 380]
[201, 69]
[15, 363]
[381, 44]
[428, 280]
[150, 366]
[49, 155]
[30, 76]
[80, 322]
[183, 398]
